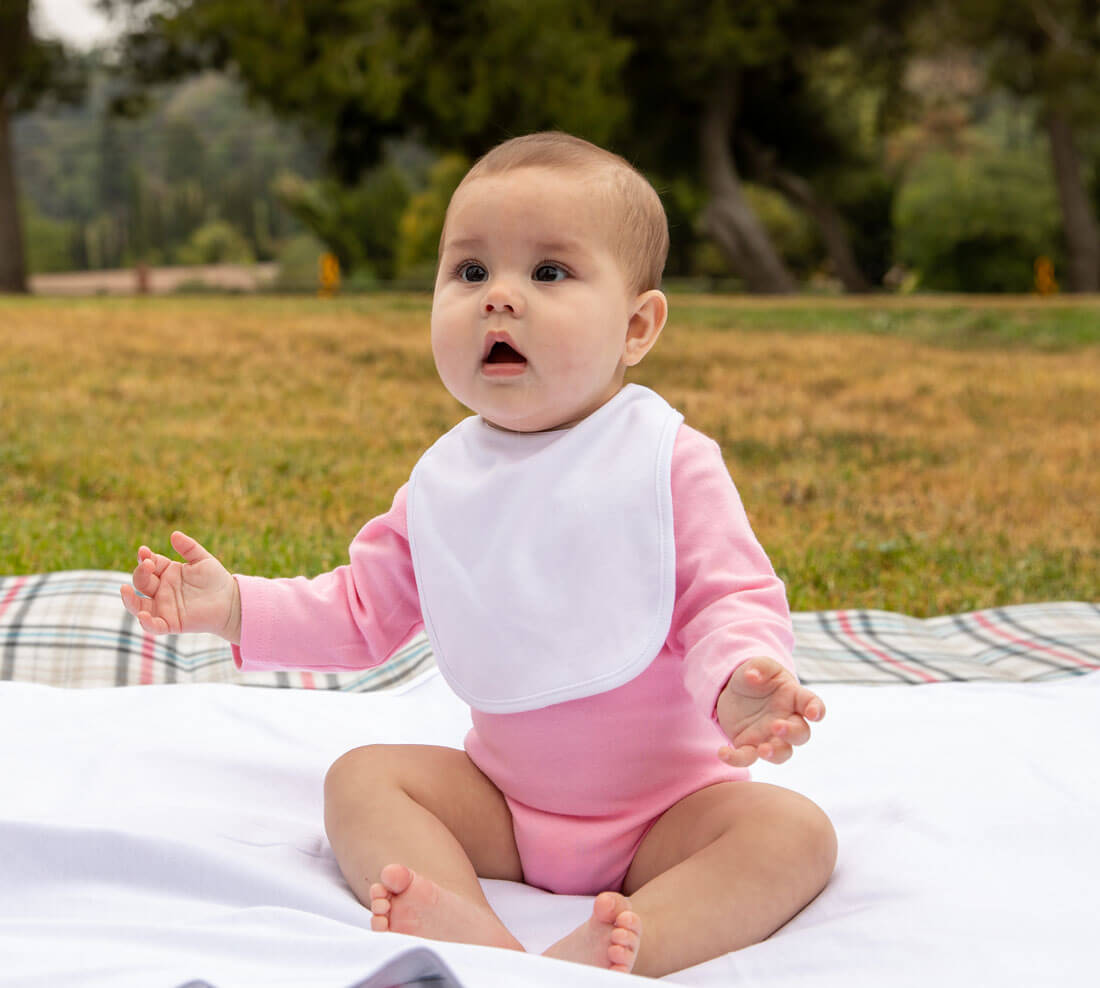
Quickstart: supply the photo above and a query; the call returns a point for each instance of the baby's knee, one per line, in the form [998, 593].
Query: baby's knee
[356, 773]
[818, 838]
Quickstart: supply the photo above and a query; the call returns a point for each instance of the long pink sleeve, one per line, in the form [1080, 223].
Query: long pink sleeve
[354, 617]
[730, 605]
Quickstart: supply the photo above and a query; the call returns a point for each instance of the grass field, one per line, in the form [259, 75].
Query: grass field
[924, 455]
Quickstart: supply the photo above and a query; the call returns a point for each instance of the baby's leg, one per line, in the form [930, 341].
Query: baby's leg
[724, 868]
[412, 827]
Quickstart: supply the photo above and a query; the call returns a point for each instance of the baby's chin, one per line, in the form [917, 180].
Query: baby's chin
[523, 405]
[523, 426]
[552, 419]
[520, 415]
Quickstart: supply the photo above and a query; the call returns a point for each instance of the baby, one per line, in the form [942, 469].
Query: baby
[586, 574]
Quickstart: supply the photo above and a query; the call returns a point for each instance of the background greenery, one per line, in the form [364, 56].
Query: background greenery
[912, 455]
[193, 182]
[939, 146]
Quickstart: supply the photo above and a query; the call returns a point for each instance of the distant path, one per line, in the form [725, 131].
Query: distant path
[162, 281]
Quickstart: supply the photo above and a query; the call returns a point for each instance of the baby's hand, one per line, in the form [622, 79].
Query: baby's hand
[198, 594]
[764, 713]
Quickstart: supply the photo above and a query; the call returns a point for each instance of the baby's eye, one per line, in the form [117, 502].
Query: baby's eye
[550, 272]
[471, 271]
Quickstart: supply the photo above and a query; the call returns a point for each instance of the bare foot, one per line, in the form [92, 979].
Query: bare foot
[406, 902]
[609, 939]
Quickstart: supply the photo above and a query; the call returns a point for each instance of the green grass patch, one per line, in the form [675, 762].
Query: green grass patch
[917, 457]
[1050, 327]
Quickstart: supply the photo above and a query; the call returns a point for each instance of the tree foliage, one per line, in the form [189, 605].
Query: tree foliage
[1046, 51]
[30, 70]
[109, 192]
[637, 76]
[977, 222]
[714, 99]
[810, 89]
[361, 72]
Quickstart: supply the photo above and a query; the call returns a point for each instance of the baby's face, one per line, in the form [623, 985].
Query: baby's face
[531, 307]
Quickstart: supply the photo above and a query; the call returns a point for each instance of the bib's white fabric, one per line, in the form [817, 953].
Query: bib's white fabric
[545, 562]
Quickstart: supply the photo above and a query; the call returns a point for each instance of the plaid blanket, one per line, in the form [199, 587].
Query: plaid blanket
[70, 629]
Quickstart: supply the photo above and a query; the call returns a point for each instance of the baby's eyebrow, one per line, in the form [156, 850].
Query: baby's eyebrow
[563, 247]
[468, 243]
[545, 247]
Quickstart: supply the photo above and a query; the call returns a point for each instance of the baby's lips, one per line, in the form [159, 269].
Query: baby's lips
[503, 339]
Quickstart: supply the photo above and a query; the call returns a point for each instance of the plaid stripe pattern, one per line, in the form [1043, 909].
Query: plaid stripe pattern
[70, 629]
[1026, 643]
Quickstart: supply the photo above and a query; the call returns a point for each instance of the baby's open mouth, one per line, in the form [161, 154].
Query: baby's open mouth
[503, 353]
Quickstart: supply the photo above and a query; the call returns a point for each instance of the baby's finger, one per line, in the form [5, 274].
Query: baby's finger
[130, 600]
[794, 730]
[758, 677]
[188, 547]
[776, 752]
[153, 625]
[146, 579]
[152, 562]
[741, 757]
[809, 705]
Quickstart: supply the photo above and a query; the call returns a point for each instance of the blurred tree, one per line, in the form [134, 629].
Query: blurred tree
[976, 222]
[359, 72]
[421, 225]
[30, 69]
[139, 189]
[362, 74]
[722, 89]
[683, 87]
[216, 242]
[358, 223]
[1048, 50]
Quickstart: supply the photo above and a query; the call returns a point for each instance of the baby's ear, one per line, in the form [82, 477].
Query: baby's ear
[646, 323]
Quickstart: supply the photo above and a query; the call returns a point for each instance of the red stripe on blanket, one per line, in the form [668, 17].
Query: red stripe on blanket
[10, 595]
[148, 663]
[846, 627]
[307, 681]
[1031, 645]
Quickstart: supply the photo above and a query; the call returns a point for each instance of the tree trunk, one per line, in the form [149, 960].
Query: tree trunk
[831, 225]
[13, 274]
[728, 218]
[1078, 221]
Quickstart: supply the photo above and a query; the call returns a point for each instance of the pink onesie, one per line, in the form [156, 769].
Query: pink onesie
[587, 778]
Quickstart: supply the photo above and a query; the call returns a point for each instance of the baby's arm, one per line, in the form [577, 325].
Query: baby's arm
[731, 612]
[198, 594]
[353, 617]
[764, 712]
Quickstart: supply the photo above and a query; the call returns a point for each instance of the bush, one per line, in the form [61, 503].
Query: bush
[977, 222]
[216, 242]
[358, 224]
[298, 264]
[51, 244]
[421, 223]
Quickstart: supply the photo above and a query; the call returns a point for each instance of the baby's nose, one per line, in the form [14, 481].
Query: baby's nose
[502, 298]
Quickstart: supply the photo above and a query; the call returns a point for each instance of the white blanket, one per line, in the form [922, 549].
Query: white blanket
[153, 836]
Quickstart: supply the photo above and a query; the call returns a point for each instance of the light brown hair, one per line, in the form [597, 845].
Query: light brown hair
[639, 227]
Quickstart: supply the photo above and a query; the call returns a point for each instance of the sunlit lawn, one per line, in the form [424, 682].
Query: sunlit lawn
[922, 455]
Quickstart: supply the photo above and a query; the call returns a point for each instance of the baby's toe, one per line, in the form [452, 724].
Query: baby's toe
[625, 938]
[619, 958]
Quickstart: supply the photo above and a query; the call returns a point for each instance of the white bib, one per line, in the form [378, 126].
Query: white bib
[545, 562]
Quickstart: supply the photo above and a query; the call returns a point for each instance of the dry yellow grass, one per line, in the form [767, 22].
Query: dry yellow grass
[878, 470]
